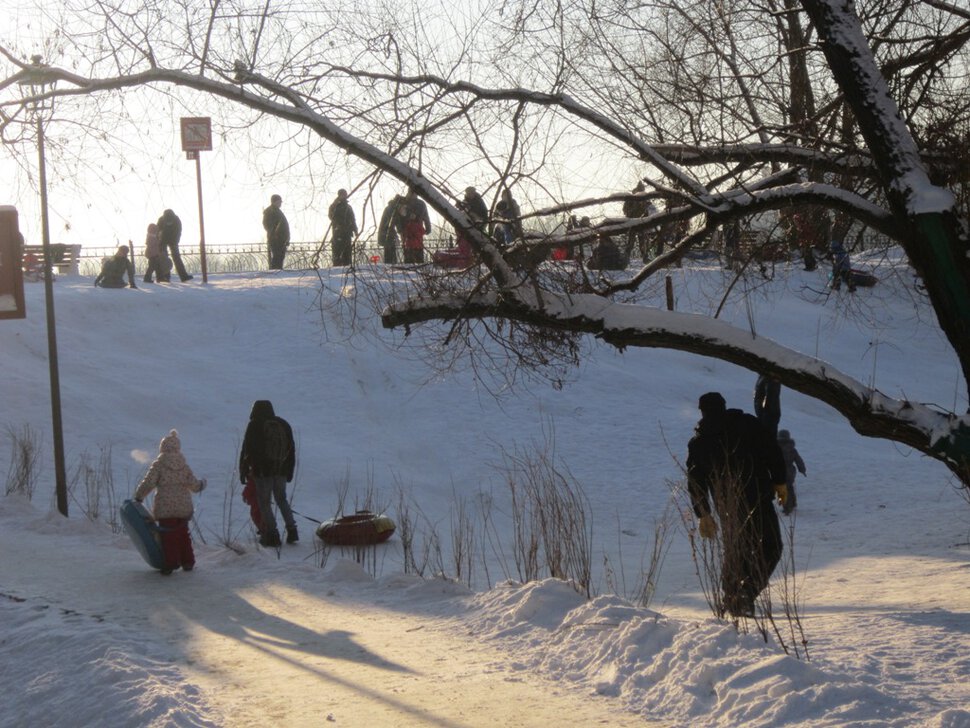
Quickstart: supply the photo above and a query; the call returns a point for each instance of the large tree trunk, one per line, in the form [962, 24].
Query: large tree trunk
[935, 238]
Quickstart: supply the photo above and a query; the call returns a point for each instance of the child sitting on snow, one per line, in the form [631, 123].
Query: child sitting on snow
[173, 482]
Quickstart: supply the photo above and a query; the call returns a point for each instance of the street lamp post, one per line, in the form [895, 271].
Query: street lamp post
[39, 81]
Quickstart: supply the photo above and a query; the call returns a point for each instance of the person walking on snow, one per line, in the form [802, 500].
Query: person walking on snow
[159, 265]
[269, 456]
[170, 233]
[792, 461]
[174, 483]
[735, 469]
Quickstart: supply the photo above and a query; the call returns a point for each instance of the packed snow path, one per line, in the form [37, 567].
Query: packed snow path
[251, 641]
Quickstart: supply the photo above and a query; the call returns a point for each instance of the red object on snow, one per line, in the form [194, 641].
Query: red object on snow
[362, 528]
[250, 499]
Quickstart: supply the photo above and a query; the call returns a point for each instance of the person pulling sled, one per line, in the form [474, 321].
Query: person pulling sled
[268, 456]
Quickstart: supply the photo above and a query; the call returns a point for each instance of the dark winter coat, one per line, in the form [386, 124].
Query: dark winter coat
[113, 271]
[169, 230]
[342, 219]
[276, 226]
[388, 230]
[791, 457]
[732, 465]
[507, 210]
[476, 208]
[251, 458]
[735, 447]
[607, 256]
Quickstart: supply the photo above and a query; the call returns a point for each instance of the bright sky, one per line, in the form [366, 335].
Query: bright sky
[109, 177]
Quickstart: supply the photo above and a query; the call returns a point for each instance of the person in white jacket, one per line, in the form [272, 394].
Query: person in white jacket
[173, 482]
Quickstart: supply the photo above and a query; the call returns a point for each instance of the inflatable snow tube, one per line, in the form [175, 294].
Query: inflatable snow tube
[363, 528]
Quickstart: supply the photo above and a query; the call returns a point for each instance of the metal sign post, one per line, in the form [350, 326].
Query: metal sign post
[197, 137]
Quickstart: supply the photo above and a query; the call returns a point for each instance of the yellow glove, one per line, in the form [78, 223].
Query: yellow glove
[707, 526]
[781, 490]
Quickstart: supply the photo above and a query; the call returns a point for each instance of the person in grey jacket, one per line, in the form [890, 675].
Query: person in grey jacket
[792, 461]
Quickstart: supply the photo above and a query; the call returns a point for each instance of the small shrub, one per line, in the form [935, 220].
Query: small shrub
[24, 468]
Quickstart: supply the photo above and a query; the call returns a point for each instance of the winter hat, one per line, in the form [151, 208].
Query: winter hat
[784, 435]
[711, 403]
[262, 409]
[170, 443]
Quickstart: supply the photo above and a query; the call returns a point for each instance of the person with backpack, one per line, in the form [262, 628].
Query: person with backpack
[735, 469]
[269, 456]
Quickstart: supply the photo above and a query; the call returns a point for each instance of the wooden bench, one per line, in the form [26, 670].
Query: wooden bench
[65, 259]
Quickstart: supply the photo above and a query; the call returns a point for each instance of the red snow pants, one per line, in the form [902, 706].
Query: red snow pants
[176, 543]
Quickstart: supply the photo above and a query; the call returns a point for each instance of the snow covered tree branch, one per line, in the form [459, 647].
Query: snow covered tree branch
[716, 127]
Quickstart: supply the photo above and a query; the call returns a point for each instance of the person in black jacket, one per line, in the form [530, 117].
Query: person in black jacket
[277, 232]
[388, 232]
[269, 456]
[734, 469]
[169, 235]
[343, 228]
[475, 207]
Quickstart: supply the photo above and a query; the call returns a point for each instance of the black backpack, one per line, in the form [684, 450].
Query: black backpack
[276, 443]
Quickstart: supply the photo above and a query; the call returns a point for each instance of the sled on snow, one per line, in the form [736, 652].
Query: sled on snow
[862, 278]
[362, 528]
[144, 532]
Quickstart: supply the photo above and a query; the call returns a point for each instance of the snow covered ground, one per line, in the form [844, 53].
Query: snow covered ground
[92, 636]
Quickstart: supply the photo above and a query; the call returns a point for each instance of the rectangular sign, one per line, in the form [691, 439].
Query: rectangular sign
[196, 134]
[11, 273]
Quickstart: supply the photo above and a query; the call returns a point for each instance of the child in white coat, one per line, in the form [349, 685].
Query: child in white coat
[173, 482]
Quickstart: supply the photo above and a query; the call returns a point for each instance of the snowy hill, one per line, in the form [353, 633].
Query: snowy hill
[92, 636]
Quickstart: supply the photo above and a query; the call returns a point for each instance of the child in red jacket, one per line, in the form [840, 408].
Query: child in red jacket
[413, 243]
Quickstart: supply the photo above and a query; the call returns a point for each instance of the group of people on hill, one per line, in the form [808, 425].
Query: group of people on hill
[405, 223]
[737, 465]
[267, 462]
[161, 252]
